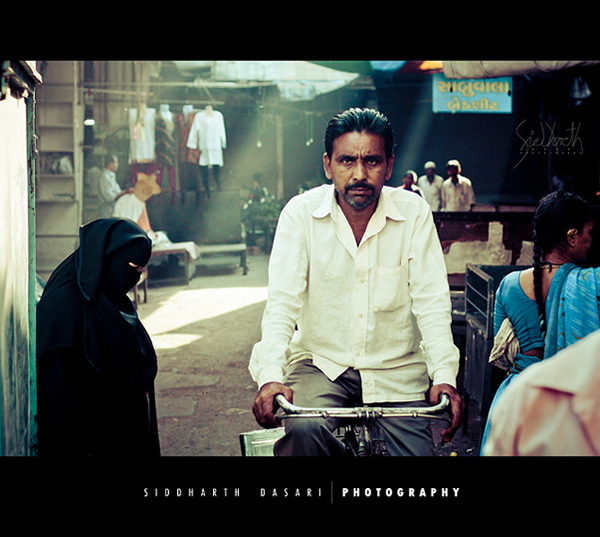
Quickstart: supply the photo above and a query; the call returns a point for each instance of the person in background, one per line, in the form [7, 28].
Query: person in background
[409, 183]
[96, 364]
[359, 305]
[554, 303]
[552, 408]
[457, 190]
[108, 187]
[431, 185]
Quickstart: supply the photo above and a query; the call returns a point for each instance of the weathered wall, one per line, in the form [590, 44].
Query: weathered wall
[14, 279]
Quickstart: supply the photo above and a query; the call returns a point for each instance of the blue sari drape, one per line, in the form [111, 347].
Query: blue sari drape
[572, 312]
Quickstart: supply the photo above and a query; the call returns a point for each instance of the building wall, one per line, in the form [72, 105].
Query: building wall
[16, 306]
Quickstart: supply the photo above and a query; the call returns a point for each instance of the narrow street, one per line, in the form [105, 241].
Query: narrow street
[203, 334]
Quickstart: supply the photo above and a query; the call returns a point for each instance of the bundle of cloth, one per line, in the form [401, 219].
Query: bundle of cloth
[133, 207]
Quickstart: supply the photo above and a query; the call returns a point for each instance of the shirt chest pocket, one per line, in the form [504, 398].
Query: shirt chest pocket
[390, 288]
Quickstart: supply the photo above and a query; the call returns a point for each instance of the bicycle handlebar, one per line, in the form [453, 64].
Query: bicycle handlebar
[292, 411]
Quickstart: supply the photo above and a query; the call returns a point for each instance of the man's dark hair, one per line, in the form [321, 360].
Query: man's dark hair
[360, 120]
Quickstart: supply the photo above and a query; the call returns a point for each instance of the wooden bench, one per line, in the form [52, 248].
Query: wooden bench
[214, 254]
[162, 257]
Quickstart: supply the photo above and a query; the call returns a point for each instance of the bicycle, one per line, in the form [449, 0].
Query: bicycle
[360, 434]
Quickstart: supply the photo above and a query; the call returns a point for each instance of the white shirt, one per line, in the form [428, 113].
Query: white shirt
[382, 307]
[108, 189]
[208, 134]
[432, 191]
[459, 196]
[129, 206]
[142, 134]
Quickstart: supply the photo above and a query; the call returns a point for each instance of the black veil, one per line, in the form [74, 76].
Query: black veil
[85, 302]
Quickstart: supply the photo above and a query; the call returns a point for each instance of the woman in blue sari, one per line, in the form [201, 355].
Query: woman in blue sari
[555, 302]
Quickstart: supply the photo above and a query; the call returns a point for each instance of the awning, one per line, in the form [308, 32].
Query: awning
[495, 68]
[370, 67]
[296, 80]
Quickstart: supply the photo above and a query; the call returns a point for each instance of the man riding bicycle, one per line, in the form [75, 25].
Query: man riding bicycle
[359, 308]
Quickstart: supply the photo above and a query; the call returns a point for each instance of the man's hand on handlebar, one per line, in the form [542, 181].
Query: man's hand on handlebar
[455, 409]
[263, 407]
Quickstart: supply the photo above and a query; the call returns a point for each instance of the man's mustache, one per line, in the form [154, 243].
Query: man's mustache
[360, 185]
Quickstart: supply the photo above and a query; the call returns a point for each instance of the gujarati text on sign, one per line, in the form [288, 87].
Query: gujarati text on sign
[472, 96]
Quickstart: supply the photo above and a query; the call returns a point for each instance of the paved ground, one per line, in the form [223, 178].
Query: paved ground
[203, 334]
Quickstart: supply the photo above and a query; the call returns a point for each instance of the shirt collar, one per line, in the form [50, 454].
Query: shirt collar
[386, 208]
[327, 204]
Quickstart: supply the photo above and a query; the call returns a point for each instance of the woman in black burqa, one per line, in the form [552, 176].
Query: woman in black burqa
[96, 364]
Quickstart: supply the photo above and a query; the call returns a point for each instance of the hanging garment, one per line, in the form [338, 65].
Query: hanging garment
[166, 147]
[142, 137]
[184, 125]
[208, 135]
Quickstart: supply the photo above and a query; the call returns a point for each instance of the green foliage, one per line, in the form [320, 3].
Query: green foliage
[260, 206]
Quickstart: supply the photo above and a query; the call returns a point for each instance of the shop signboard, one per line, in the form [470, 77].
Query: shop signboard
[479, 96]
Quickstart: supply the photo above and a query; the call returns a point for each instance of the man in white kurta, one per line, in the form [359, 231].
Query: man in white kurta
[431, 185]
[457, 190]
[371, 304]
